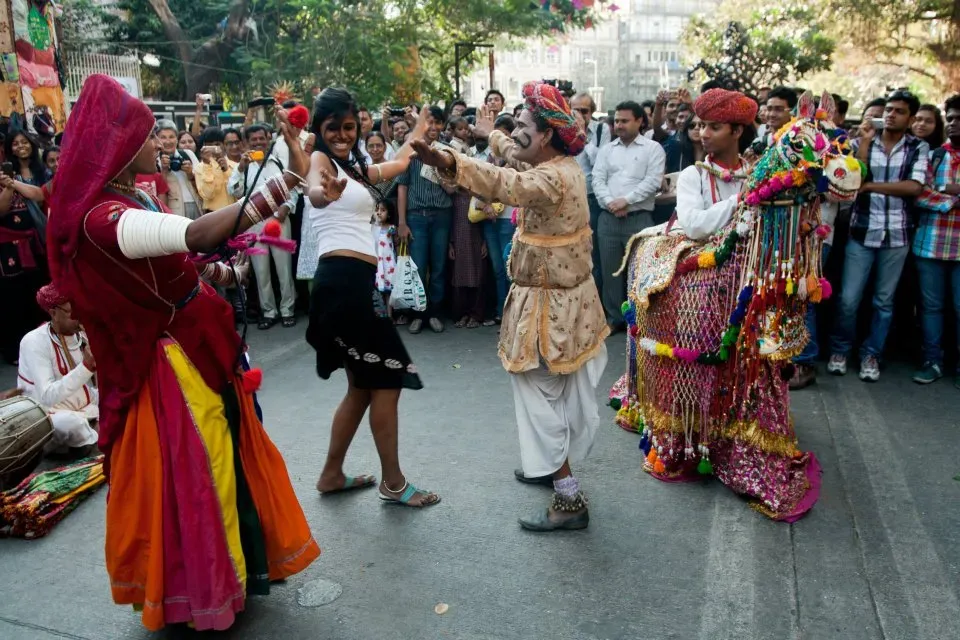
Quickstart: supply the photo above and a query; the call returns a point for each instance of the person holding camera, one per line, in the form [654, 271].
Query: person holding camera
[213, 171]
[177, 170]
[246, 178]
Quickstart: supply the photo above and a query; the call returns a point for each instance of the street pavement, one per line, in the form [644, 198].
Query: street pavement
[877, 558]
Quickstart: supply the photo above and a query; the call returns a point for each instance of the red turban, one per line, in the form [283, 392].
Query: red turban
[720, 105]
[545, 101]
[298, 116]
[49, 298]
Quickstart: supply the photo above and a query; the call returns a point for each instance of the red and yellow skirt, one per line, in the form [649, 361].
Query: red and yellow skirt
[201, 511]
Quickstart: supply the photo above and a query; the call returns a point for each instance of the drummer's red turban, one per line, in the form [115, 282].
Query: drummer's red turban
[49, 298]
[547, 102]
[720, 105]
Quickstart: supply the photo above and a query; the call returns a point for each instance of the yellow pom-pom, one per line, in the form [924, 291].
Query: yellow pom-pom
[790, 286]
[663, 350]
[707, 260]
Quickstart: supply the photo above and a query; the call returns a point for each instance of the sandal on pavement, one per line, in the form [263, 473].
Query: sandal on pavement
[461, 323]
[409, 491]
[266, 323]
[416, 326]
[436, 325]
[350, 483]
[472, 323]
[546, 481]
[289, 321]
[542, 522]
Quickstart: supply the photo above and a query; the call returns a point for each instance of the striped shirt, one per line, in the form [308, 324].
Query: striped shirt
[938, 233]
[882, 221]
[422, 193]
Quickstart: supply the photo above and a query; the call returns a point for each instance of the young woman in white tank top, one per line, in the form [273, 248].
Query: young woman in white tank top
[349, 324]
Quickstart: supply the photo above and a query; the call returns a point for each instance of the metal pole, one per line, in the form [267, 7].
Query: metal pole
[456, 55]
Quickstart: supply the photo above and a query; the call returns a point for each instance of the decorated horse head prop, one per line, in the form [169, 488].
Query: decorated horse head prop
[809, 158]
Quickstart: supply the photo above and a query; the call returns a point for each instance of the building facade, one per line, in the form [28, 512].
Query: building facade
[628, 55]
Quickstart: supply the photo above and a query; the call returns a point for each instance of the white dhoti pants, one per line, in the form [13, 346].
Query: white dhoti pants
[557, 415]
[70, 429]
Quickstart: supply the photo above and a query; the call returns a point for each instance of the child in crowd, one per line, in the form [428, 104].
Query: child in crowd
[384, 231]
[460, 137]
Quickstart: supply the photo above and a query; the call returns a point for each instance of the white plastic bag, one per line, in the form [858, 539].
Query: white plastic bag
[408, 292]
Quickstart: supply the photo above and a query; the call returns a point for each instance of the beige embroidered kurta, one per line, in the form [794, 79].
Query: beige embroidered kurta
[553, 310]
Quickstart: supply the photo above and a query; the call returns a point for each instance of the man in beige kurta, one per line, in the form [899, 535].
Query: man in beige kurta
[553, 330]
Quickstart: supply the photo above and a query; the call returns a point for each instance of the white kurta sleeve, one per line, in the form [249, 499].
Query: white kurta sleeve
[43, 383]
[700, 222]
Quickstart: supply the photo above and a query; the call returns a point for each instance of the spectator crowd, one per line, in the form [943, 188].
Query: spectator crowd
[897, 245]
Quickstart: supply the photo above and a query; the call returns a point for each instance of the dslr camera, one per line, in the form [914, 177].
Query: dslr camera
[397, 112]
[176, 162]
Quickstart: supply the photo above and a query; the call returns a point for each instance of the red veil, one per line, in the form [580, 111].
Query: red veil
[122, 314]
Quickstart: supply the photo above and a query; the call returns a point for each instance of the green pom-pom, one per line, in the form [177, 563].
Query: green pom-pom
[616, 403]
[705, 468]
[724, 354]
[625, 307]
[730, 336]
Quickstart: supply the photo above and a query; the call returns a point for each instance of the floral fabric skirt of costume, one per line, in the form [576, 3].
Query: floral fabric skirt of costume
[350, 327]
[201, 511]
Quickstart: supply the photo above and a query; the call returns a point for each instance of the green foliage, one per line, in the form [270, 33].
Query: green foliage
[772, 46]
[379, 49]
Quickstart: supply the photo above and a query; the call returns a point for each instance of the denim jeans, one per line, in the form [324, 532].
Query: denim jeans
[810, 353]
[858, 263]
[498, 234]
[933, 276]
[428, 248]
[595, 210]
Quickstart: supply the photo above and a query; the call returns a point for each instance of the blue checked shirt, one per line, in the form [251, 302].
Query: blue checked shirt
[880, 221]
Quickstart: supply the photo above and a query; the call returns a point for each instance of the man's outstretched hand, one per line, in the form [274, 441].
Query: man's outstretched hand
[430, 156]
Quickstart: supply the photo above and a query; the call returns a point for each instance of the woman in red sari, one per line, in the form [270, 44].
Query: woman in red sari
[200, 511]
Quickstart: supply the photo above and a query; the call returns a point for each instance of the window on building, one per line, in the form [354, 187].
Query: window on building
[553, 56]
[587, 55]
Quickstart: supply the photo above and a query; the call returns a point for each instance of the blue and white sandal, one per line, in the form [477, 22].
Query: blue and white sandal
[407, 492]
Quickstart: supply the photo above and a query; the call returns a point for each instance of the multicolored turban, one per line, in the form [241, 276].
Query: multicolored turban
[720, 105]
[49, 298]
[545, 101]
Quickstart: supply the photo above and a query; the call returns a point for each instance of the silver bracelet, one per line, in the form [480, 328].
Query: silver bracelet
[300, 178]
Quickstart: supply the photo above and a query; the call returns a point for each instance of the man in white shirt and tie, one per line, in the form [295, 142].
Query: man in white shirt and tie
[626, 178]
[598, 135]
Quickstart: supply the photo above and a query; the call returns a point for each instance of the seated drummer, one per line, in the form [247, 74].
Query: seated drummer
[57, 372]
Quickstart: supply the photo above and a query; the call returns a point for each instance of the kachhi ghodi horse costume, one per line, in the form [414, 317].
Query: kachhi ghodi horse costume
[713, 326]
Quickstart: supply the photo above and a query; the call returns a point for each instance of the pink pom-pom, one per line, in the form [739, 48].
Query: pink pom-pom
[820, 144]
[776, 184]
[272, 228]
[753, 199]
[686, 355]
[765, 192]
[823, 230]
[825, 289]
[513, 217]
[788, 180]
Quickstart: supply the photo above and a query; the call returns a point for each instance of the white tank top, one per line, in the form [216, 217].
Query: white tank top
[345, 224]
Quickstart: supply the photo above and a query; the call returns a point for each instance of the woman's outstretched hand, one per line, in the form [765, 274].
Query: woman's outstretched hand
[332, 188]
[430, 156]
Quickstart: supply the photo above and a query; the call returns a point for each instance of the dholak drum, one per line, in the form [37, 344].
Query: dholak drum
[24, 428]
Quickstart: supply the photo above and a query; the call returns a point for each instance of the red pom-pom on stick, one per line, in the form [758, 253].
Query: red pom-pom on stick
[250, 380]
[272, 228]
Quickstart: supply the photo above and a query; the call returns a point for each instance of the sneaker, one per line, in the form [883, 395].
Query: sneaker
[837, 365]
[803, 376]
[930, 372]
[436, 325]
[416, 325]
[869, 369]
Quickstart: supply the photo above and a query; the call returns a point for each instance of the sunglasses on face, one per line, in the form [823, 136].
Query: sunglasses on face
[583, 111]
